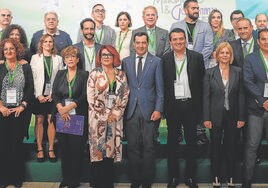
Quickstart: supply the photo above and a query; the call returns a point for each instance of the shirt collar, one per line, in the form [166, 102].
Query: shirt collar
[56, 33]
[144, 55]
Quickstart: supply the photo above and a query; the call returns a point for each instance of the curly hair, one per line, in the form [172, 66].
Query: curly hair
[20, 51]
[112, 50]
[10, 28]
[41, 42]
[70, 50]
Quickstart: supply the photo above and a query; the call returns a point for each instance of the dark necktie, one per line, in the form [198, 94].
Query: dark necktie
[245, 50]
[139, 68]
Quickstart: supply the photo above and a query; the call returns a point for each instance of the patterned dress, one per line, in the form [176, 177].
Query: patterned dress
[104, 137]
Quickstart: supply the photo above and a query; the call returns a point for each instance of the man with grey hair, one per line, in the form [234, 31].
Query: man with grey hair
[61, 38]
[261, 22]
[5, 19]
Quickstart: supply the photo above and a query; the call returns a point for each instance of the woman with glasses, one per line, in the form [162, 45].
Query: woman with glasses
[16, 91]
[45, 66]
[107, 95]
[69, 96]
[123, 37]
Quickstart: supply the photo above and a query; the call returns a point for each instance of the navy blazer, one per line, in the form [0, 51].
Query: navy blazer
[254, 79]
[80, 46]
[149, 92]
[214, 95]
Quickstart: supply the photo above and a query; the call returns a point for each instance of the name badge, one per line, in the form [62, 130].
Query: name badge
[110, 101]
[190, 46]
[68, 102]
[47, 89]
[178, 89]
[265, 90]
[11, 96]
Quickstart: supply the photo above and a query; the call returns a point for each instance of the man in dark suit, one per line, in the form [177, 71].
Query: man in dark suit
[255, 81]
[183, 72]
[145, 105]
[158, 37]
[88, 48]
[261, 22]
[245, 44]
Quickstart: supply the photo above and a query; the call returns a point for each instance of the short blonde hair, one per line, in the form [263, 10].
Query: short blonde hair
[230, 49]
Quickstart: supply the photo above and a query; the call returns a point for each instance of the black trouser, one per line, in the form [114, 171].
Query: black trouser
[141, 150]
[72, 148]
[12, 162]
[103, 173]
[183, 114]
[229, 128]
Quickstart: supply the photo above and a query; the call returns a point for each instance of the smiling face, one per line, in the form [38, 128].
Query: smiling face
[178, 42]
[106, 58]
[15, 34]
[150, 17]
[192, 11]
[141, 45]
[263, 41]
[10, 51]
[88, 30]
[48, 44]
[224, 56]
[244, 29]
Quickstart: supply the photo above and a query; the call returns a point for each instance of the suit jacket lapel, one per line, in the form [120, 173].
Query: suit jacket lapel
[82, 55]
[158, 35]
[196, 30]
[133, 67]
[148, 62]
[189, 66]
[219, 78]
[232, 78]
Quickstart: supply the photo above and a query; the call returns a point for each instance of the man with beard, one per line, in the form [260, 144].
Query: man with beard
[261, 22]
[199, 38]
[88, 48]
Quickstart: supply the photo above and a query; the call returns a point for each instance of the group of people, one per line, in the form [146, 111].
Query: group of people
[197, 75]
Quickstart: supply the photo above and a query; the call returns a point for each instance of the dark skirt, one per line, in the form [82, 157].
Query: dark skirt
[42, 108]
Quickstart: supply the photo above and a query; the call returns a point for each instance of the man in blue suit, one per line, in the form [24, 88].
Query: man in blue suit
[255, 80]
[145, 105]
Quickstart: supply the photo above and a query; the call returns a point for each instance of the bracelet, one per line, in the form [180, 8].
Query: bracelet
[23, 105]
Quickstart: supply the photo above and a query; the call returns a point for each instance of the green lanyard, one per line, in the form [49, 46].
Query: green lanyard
[11, 75]
[120, 44]
[191, 34]
[152, 37]
[49, 70]
[249, 49]
[264, 62]
[111, 85]
[215, 39]
[70, 84]
[179, 71]
[97, 38]
[0, 34]
[92, 57]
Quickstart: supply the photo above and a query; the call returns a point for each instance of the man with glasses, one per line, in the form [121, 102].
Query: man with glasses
[234, 17]
[5, 19]
[61, 38]
[103, 34]
[88, 48]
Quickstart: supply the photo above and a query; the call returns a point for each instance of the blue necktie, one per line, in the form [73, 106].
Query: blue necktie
[139, 68]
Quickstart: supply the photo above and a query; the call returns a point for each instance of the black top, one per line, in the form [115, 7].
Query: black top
[47, 79]
[191, 28]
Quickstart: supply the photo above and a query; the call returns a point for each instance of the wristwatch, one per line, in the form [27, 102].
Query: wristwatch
[24, 105]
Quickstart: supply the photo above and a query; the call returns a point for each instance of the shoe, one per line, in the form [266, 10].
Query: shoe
[63, 184]
[146, 185]
[180, 135]
[216, 183]
[258, 160]
[202, 139]
[231, 184]
[17, 184]
[246, 184]
[173, 183]
[191, 183]
[40, 159]
[52, 159]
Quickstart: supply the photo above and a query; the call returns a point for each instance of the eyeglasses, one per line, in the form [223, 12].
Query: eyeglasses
[6, 15]
[98, 11]
[9, 49]
[107, 55]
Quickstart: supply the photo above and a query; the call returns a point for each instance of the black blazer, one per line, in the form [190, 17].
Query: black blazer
[213, 95]
[238, 52]
[195, 70]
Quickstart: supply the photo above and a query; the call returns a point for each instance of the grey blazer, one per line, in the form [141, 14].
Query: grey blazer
[203, 40]
[162, 40]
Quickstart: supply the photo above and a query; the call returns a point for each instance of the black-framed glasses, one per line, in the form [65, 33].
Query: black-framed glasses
[98, 11]
[107, 55]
